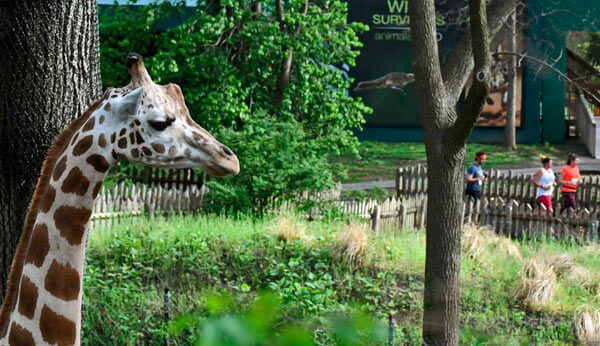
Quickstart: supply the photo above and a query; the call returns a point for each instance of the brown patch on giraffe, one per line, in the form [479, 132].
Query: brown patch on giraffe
[147, 151]
[113, 137]
[172, 150]
[74, 138]
[197, 136]
[20, 336]
[83, 145]
[60, 167]
[28, 295]
[158, 147]
[122, 132]
[137, 122]
[113, 96]
[135, 153]
[98, 162]
[39, 245]
[132, 137]
[48, 199]
[139, 138]
[75, 182]
[58, 148]
[89, 125]
[62, 281]
[150, 106]
[106, 108]
[131, 125]
[71, 222]
[180, 140]
[56, 329]
[101, 120]
[102, 141]
[96, 189]
[114, 155]
[187, 152]
[123, 143]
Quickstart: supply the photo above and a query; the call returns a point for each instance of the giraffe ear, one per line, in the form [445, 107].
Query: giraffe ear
[128, 104]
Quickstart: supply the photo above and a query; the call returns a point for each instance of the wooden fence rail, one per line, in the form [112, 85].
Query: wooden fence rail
[412, 181]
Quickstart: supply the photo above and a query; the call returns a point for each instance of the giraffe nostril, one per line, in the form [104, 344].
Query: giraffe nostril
[227, 151]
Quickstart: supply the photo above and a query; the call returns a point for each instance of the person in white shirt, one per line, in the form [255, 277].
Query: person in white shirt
[545, 181]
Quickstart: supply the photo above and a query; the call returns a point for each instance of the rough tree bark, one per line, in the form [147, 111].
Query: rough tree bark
[446, 133]
[510, 140]
[49, 74]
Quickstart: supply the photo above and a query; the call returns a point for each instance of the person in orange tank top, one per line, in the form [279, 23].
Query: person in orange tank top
[569, 178]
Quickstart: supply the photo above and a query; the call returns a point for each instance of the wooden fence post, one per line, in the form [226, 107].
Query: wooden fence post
[375, 218]
[508, 220]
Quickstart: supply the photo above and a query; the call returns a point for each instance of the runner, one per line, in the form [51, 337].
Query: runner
[544, 180]
[475, 177]
[569, 178]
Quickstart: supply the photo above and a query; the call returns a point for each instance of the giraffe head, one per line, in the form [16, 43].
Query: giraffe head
[151, 124]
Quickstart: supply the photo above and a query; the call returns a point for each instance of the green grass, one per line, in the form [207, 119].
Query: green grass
[238, 257]
[379, 160]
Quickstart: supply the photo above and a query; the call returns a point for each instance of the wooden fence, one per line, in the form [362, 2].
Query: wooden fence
[412, 181]
[524, 221]
[125, 202]
[171, 178]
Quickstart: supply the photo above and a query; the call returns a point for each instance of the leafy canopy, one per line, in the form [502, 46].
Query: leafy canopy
[227, 58]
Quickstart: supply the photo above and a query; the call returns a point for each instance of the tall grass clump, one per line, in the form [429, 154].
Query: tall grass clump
[538, 284]
[587, 326]
[478, 240]
[287, 229]
[351, 245]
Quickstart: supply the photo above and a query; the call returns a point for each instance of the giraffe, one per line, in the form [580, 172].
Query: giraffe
[142, 122]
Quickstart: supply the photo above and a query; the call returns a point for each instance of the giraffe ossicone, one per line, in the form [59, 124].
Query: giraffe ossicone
[142, 122]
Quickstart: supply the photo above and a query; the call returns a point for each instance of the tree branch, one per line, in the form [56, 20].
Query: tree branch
[546, 65]
[304, 11]
[480, 89]
[426, 66]
[280, 15]
[458, 67]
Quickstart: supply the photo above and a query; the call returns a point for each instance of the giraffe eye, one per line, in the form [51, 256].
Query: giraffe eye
[161, 125]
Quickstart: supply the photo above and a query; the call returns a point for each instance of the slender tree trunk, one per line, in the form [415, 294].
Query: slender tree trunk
[510, 141]
[49, 74]
[283, 79]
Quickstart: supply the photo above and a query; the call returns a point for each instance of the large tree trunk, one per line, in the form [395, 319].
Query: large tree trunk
[442, 265]
[510, 141]
[49, 74]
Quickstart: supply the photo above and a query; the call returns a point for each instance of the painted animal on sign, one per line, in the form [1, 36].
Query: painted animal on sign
[142, 122]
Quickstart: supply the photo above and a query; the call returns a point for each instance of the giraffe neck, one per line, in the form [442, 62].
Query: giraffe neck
[47, 309]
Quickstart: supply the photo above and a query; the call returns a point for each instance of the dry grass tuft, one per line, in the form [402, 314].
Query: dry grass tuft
[351, 244]
[474, 241]
[585, 278]
[508, 247]
[587, 326]
[287, 229]
[562, 262]
[538, 284]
